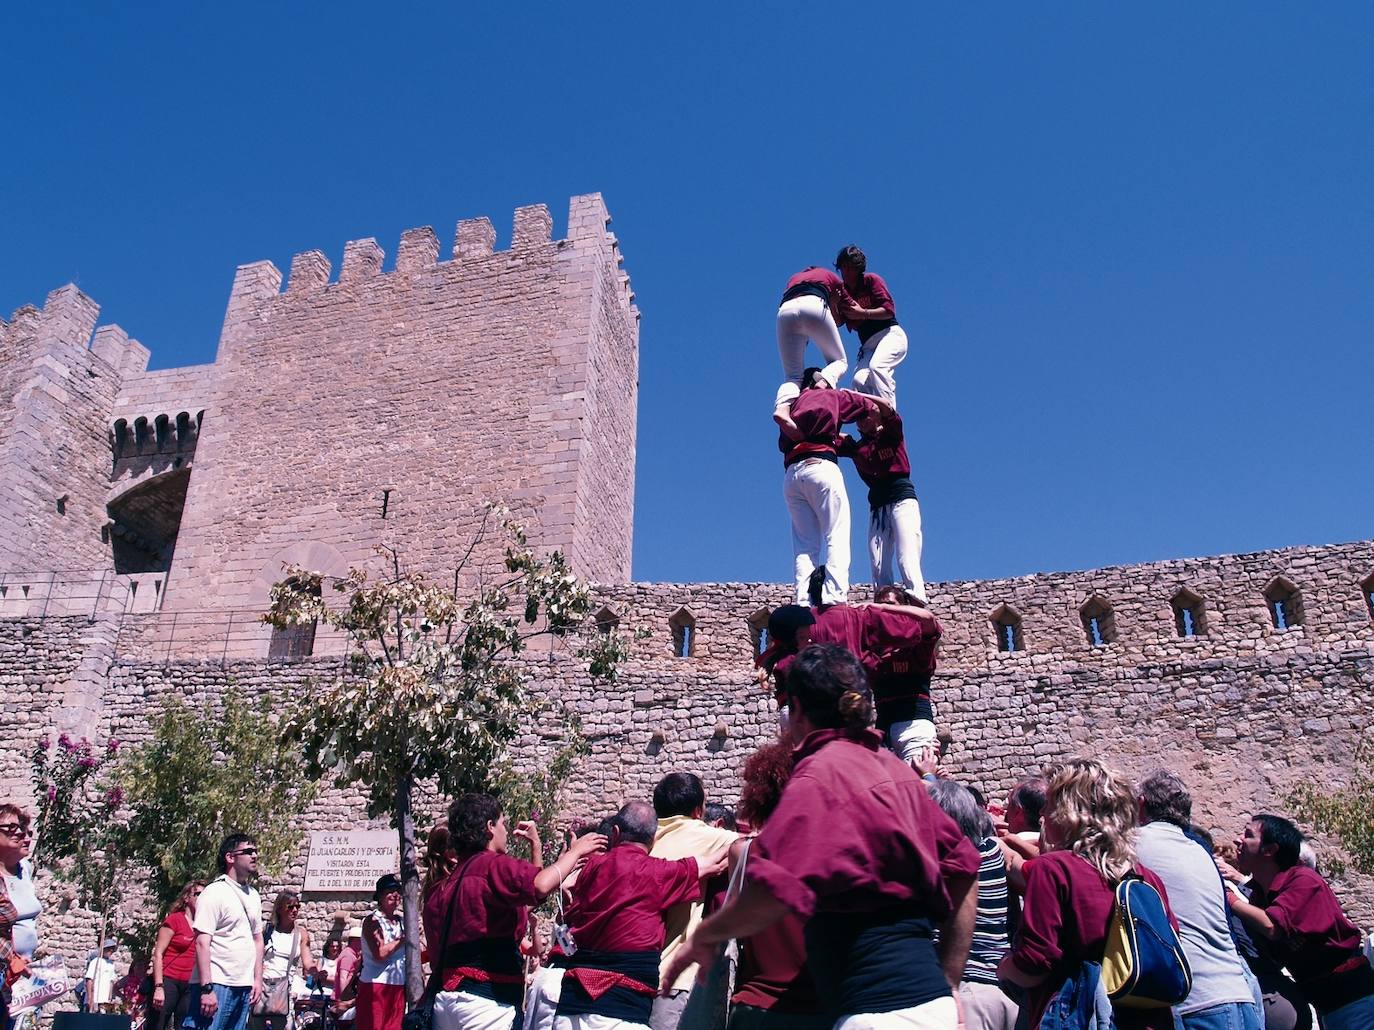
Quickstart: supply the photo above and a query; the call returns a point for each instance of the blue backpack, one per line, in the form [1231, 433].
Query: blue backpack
[1143, 966]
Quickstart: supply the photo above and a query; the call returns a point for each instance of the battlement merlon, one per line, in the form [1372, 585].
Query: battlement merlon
[64, 325]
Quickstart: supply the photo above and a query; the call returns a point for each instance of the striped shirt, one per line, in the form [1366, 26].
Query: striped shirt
[992, 931]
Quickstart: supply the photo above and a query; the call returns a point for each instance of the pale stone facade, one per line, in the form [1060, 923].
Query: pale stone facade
[151, 511]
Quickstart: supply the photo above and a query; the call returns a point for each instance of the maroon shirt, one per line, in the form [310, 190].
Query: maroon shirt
[871, 293]
[494, 892]
[885, 842]
[880, 457]
[620, 896]
[1065, 914]
[1317, 939]
[819, 414]
[816, 276]
[772, 969]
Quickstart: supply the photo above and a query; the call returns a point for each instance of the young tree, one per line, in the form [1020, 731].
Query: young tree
[203, 774]
[1347, 812]
[434, 688]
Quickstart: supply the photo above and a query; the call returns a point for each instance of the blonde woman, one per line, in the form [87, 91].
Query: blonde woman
[1087, 826]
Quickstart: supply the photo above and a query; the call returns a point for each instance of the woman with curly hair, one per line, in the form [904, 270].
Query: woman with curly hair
[475, 918]
[1087, 827]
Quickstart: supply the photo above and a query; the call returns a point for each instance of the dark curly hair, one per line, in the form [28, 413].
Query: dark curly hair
[765, 773]
[830, 688]
[467, 822]
[853, 257]
[893, 594]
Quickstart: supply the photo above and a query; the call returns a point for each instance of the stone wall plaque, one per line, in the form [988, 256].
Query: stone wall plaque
[350, 860]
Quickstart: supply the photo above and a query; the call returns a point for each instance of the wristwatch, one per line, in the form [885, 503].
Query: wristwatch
[207, 988]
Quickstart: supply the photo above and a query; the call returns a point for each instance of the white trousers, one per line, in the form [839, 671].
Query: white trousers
[816, 500]
[591, 1022]
[940, 1014]
[894, 546]
[876, 373]
[459, 1010]
[541, 1000]
[908, 738]
[801, 319]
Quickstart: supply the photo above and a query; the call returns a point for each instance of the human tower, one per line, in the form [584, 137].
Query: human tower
[895, 637]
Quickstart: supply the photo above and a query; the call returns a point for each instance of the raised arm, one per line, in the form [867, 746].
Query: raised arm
[548, 878]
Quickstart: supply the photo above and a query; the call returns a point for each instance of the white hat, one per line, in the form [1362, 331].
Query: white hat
[355, 932]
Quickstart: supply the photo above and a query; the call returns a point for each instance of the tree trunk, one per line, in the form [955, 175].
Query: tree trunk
[410, 890]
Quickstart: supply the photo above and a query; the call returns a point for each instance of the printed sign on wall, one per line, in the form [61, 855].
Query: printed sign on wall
[350, 860]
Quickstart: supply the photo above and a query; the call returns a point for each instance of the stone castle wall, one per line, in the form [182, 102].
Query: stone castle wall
[1243, 712]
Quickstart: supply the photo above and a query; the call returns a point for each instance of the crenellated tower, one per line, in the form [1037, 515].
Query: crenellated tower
[382, 405]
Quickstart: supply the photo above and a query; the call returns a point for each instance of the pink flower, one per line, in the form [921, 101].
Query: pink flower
[114, 797]
[112, 745]
[43, 743]
[52, 794]
[87, 763]
[64, 742]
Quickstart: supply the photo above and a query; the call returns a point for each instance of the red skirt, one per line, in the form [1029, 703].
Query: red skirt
[381, 1006]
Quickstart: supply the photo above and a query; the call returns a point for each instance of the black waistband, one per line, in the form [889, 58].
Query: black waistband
[873, 961]
[903, 709]
[890, 491]
[806, 290]
[1337, 990]
[618, 1002]
[493, 954]
[868, 330]
[793, 458]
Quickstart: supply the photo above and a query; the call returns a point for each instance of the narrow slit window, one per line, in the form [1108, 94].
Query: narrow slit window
[1006, 629]
[1099, 622]
[1190, 617]
[1284, 601]
[684, 631]
[758, 631]
[607, 622]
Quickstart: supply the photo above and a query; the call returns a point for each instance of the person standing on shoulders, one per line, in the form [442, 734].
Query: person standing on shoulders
[228, 929]
[381, 985]
[1294, 915]
[1223, 993]
[680, 804]
[894, 513]
[174, 958]
[807, 312]
[813, 485]
[866, 307]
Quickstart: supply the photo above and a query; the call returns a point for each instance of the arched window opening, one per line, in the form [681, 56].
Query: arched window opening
[140, 432]
[1099, 621]
[183, 429]
[1190, 615]
[1006, 627]
[758, 631]
[121, 435]
[289, 643]
[160, 425]
[1284, 601]
[684, 628]
[145, 521]
[1367, 592]
[607, 621]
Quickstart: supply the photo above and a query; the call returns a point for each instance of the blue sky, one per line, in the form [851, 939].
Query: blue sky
[1133, 247]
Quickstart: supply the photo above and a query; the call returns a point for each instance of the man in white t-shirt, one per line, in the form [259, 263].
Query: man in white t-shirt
[228, 929]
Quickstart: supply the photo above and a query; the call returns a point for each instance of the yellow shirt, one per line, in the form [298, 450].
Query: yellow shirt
[681, 836]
